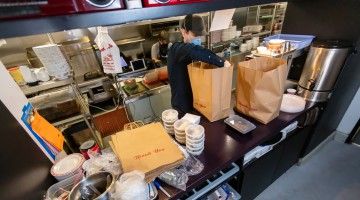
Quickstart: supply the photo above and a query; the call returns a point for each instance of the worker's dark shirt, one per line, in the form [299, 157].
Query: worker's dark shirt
[179, 56]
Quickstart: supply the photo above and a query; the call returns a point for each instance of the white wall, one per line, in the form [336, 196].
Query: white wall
[351, 116]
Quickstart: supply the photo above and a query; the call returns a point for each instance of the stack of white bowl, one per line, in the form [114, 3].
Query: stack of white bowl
[169, 117]
[256, 42]
[195, 139]
[68, 166]
[228, 34]
[179, 127]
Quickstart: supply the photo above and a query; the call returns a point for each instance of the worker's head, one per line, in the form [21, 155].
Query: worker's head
[192, 26]
[164, 37]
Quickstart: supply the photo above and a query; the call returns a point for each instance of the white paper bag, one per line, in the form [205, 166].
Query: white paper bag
[110, 53]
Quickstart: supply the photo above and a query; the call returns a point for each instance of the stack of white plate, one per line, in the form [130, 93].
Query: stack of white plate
[179, 127]
[68, 166]
[195, 139]
[169, 117]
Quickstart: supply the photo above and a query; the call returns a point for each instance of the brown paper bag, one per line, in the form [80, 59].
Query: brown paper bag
[211, 88]
[148, 149]
[260, 86]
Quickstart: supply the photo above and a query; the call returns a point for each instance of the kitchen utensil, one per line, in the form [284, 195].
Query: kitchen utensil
[292, 103]
[263, 50]
[321, 69]
[67, 166]
[16, 75]
[243, 47]
[94, 187]
[255, 41]
[275, 44]
[89, 145]
[28, 74]
[249, 44]
[169, 116]
[195, 137]
[61, 190]
[291, 91]
[42, 74]
[240, 124]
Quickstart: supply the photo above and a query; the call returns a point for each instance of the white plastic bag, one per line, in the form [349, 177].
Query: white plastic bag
[110, 53]
[131, 186]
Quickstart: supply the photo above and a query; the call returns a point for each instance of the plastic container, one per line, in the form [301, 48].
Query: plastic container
[240, 124]
[59, 188]
[299, 41]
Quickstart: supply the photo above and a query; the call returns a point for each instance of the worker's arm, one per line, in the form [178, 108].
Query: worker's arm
[193, 52]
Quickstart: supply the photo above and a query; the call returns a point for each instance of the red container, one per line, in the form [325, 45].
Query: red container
[89, 145]
[154, 3]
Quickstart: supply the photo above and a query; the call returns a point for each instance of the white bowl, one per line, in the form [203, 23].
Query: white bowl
[67, 166]
[181, 124]
[195, 132]
[169, 116]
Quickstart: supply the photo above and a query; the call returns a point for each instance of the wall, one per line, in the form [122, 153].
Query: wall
[330, 19]
[351, 116]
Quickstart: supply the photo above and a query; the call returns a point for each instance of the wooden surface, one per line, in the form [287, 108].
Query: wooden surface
[224, 145]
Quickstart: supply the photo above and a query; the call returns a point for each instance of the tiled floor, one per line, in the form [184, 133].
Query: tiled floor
[331, 174]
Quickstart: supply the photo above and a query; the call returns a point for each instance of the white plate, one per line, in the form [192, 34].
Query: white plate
[67, 165]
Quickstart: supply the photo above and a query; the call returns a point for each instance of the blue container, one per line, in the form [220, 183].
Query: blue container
[299, 41]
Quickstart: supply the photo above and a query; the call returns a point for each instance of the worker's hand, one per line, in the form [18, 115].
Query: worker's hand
[227, 64]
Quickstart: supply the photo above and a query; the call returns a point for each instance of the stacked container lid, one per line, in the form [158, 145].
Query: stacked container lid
[169, 117]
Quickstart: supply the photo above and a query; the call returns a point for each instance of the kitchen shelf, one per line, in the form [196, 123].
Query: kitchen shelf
[214, 45]
[27, 90]
[38, 25]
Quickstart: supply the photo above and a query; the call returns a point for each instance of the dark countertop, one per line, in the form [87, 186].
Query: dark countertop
[224, 145]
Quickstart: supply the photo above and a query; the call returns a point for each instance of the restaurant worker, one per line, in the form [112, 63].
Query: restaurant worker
[159, 50]
[183, 53]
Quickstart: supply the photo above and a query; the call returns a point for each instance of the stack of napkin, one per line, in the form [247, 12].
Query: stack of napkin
[148, 149]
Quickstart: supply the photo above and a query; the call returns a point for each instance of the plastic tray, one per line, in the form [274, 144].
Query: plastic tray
[240, 124]
[299, 41]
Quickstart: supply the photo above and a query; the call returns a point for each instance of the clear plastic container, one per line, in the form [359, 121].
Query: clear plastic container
[240, 124]
[65, 186]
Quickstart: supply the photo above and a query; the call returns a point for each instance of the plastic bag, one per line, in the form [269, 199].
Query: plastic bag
[176, 177]
[110, 53]
[107, 161]
[131, 186]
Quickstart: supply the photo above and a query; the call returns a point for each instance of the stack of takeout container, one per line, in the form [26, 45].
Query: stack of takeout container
[195, 139]
[169, 117]
[179, 127]
[68, 166]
